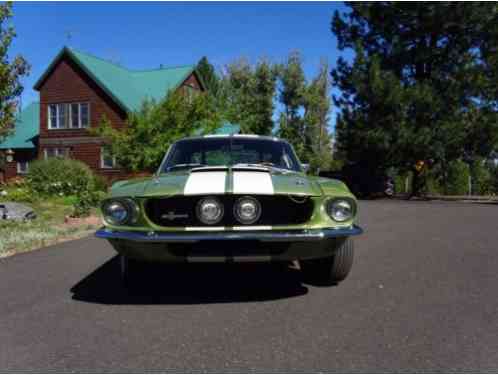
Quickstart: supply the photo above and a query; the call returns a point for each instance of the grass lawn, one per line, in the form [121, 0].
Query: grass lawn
[50, 226]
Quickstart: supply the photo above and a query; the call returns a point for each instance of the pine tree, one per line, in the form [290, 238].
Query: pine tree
[208, 75]
[420, 70]
[11, 72]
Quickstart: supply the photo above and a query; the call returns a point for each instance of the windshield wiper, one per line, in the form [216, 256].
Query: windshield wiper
[182, 166]
[265, 164]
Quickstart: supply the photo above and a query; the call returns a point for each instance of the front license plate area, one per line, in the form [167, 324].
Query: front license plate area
[227, 248]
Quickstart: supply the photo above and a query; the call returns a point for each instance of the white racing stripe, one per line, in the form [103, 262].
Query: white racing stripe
[252, 183]
[205, 183]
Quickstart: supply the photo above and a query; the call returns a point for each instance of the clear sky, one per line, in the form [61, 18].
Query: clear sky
[145, 35]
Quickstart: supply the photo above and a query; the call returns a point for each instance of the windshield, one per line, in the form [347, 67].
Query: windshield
[229, 151]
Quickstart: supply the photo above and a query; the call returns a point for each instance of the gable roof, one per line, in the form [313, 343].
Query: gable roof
[128, 88]
[26, 128]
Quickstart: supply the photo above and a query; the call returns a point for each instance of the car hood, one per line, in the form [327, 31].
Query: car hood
[221, 180]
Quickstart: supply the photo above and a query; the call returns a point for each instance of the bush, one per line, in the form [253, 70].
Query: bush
[482, 183]
[16, 191]
[100, 183]
[494, 177]
[60, 177]
[457, 178]
[400, 183]
[84, 203]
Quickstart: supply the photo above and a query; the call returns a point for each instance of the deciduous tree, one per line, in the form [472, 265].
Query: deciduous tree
[11, 72]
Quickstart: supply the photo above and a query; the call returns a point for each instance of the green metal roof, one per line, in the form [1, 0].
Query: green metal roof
[27, 127]
[126, 87]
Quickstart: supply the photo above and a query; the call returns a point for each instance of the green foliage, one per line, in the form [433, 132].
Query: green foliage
[493, 171]
[100, 183]
[152, 129]
[208, 76]
[457, 178]
[403, 182]
[60, 177]
[292, 96]
[17, 192]
[84, 203]
[11, 72]
[248, 96]
[482, 183]
[305, 118]
[422, 84]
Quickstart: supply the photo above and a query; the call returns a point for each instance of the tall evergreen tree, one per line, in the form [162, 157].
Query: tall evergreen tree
[249, 94]
[208, 75]
[317, 105]
[418, 83]
[292, 97]
[11, 71]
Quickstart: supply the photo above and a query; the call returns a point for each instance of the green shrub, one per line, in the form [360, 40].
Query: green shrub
[457, 178]
[400, 183]
[18, 194]
[494, 178]
[85, 201]
[100, 183]
[482, 183]
[60, 177]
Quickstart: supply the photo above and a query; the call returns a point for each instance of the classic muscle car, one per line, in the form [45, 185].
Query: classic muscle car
[236, 198]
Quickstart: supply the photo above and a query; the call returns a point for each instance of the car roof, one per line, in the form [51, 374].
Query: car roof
[239, 136]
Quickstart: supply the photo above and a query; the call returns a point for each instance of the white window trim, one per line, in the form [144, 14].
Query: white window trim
[102, 165]
[69, 116]
[19, 171]
[59, 152]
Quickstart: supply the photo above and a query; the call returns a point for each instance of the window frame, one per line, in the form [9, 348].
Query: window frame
[19, 169]
[68, 116]
[103, 150]
[59, 152]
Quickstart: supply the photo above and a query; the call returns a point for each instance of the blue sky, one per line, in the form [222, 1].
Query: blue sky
[145, 35]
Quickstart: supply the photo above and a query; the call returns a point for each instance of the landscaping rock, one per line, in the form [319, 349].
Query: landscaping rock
[16, 211]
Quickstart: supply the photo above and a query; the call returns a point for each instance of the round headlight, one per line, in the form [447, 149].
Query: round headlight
[340, 210]
[247, 210]
[209, 210]
[115, 212]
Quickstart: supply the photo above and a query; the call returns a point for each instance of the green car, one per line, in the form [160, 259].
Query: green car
[233, 198]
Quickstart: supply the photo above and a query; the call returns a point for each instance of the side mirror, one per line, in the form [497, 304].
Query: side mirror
[305, 167]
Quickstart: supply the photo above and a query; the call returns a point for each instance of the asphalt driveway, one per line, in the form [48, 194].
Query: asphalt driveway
[422, 296]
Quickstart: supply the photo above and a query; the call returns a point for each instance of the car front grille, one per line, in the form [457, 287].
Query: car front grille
[180, 211]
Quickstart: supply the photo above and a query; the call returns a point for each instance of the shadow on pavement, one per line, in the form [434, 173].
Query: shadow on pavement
[191, 284]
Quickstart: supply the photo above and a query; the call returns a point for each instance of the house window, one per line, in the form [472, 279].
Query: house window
[22, 167]
[107, 160]
[56, 153]
[65, 116]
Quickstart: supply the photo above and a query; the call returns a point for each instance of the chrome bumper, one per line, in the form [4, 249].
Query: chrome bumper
[264, 236]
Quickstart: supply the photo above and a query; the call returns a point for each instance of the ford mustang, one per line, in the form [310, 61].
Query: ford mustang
[236, 198]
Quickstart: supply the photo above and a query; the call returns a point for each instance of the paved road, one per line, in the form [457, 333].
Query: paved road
[422, 296]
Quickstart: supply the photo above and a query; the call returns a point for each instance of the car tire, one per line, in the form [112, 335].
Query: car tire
[330, 270]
